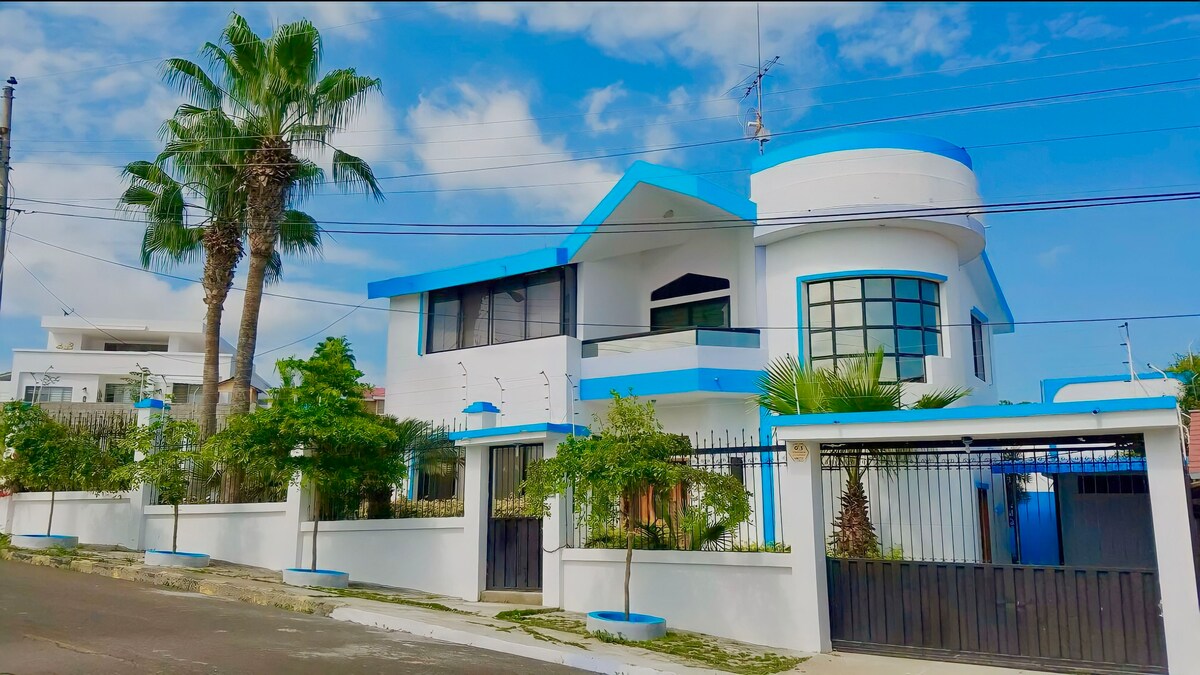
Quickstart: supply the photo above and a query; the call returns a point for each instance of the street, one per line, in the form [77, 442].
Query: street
[55, 621]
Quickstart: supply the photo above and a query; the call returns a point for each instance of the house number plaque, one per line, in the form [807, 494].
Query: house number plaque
[798, 451]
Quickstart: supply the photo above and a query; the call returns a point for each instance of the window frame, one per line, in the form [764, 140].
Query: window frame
[690, 306]
[36, 389]
[566, 282]
[979, 347]
[907, 341]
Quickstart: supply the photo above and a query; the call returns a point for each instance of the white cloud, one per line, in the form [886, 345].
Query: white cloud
[1078, 26]
[898, 36]
[596, 101]
[1050, 257]
[453, 127]
[1188, 20]
[348, 19]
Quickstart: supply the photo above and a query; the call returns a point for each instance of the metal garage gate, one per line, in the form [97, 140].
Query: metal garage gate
[995, 554]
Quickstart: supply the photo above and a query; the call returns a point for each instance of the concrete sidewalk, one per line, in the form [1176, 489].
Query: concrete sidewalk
[545, 635]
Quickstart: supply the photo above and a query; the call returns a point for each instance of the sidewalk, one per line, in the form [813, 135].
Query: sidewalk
[532, 632]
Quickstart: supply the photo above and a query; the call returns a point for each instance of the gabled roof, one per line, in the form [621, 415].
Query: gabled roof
[640, 173]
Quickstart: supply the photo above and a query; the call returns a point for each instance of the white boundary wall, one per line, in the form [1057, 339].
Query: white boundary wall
[107, 519]
[248, 534]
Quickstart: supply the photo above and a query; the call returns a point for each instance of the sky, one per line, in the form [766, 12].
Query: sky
[560, 88]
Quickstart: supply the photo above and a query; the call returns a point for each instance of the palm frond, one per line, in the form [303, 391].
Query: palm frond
[189, 79]
[788, 388]
[854, 386]
[294, 51]
[354, 174]
[299, 235]
[940, 398]
[341, 94]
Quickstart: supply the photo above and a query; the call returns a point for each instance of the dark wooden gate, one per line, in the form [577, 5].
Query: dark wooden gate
[514, 541]
[1072, 619]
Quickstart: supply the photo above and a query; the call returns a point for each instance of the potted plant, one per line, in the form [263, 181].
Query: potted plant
[628, 458]
[316, 427]
[166, 455]
[42, 455]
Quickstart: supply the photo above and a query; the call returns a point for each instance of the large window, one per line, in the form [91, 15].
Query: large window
[977, 348]
[182, 392]
[47, 394]
[851, 317]
[504, 310]
[134, 347]
[119, 393]
[712, 313]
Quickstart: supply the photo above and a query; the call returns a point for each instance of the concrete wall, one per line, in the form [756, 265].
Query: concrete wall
[248, 534]
[430, 554]
[1105, 530]
[1144, 386]
[109, 519]
[744, 596]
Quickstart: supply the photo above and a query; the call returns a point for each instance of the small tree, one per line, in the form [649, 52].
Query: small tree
[42, 455]
[142, 383]
[629, 456]
[348, 453]
[1188, 365]
[167, 454]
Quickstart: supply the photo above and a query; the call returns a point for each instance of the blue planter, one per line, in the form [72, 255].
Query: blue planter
[43, 541]
[637, 627]
[176, 559]
[295, 576]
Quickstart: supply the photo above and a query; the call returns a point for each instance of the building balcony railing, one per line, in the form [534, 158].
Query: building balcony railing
[746, 338]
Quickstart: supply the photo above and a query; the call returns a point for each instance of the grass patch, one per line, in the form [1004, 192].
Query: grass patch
[712, 654]
[5, 540]
[394, 599]
[540, 618]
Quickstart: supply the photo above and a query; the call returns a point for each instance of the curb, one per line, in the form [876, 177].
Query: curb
[591, 663]
[334, 609]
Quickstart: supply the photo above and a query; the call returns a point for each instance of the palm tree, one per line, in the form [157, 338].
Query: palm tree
[789, 388]
[205, 183]
[272, 93]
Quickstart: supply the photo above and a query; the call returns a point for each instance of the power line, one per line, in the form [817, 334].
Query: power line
[734, 222]
[1146, 317]
[766, 94]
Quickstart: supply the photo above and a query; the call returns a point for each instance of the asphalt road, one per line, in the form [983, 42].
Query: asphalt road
[55, 621]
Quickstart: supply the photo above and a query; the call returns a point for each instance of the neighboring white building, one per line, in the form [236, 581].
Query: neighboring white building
[86, 361]
[682, 291]
[1101, 387]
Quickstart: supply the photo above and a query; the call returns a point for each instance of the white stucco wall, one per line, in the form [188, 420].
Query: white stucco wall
[743, 596]
[96, 519]
[1098, 391]
[248, 534]
[429, 554]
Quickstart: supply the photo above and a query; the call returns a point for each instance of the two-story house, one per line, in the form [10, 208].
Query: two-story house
[681, 291]
[91, 361]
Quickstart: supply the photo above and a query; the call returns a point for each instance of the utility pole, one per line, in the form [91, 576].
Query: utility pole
[5, 153]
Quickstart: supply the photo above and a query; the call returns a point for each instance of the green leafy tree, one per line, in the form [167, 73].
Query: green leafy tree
[1188, 365]
[789, 388]
[316, 425]
[143, 383]
[273, 93]
[628, 457]
[42, 455]
[167, 455]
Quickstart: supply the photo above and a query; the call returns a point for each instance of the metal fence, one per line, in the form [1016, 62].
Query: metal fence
[1011, 504]
[433, 493]
[673, 520]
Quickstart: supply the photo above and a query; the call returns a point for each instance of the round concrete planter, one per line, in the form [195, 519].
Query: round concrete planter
[176, 559]
[324, 578]
[42, 541]
[638, 627]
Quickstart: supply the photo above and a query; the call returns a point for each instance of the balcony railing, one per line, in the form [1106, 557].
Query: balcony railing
[746, 338]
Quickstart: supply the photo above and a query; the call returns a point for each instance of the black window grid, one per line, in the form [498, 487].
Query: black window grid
[977, 348]
[903, 354]
[566, 325]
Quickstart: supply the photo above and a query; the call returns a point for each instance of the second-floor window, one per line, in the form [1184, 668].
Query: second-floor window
[851, 317]
[502, 310]
[977, 345]
[135, 347]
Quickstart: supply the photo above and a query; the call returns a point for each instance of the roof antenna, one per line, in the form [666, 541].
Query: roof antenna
[755, 129]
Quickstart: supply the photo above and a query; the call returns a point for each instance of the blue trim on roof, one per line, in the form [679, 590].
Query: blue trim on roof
[724, 380]
[666, 178]
[931, 276]
[1071, 465]
[150, 403]
[1051, 386]
[979, 412]
[861, 140]
[1004, 308]
[537, 427]
[481, 407]
[521, 263]
[978, 314]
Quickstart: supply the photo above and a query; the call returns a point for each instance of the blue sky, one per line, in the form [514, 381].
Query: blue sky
[468, 86]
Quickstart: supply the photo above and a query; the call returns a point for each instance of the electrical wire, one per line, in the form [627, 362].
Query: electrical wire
[1036, 322]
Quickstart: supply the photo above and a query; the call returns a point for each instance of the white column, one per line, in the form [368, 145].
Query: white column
[803, 516]
[299, 503]
[1169, 505]
[554, 535]
[6, 514]
[475, 513]
[139, 495]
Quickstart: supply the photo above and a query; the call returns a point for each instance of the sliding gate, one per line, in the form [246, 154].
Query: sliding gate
[1037, 554]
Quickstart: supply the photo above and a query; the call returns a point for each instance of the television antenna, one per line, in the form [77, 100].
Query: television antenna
[754, 127]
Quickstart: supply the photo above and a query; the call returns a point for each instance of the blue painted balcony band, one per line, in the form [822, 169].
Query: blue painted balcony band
[724, 380]
[534, 428]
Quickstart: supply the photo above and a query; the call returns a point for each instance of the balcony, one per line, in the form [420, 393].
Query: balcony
[704, 362]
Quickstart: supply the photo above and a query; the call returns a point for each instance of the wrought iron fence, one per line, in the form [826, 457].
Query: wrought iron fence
[673, 519]
[1010, 502]
[434, 492]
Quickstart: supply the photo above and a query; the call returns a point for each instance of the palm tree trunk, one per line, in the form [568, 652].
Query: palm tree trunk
[248, 331]
[223, 250]
[855, 534]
